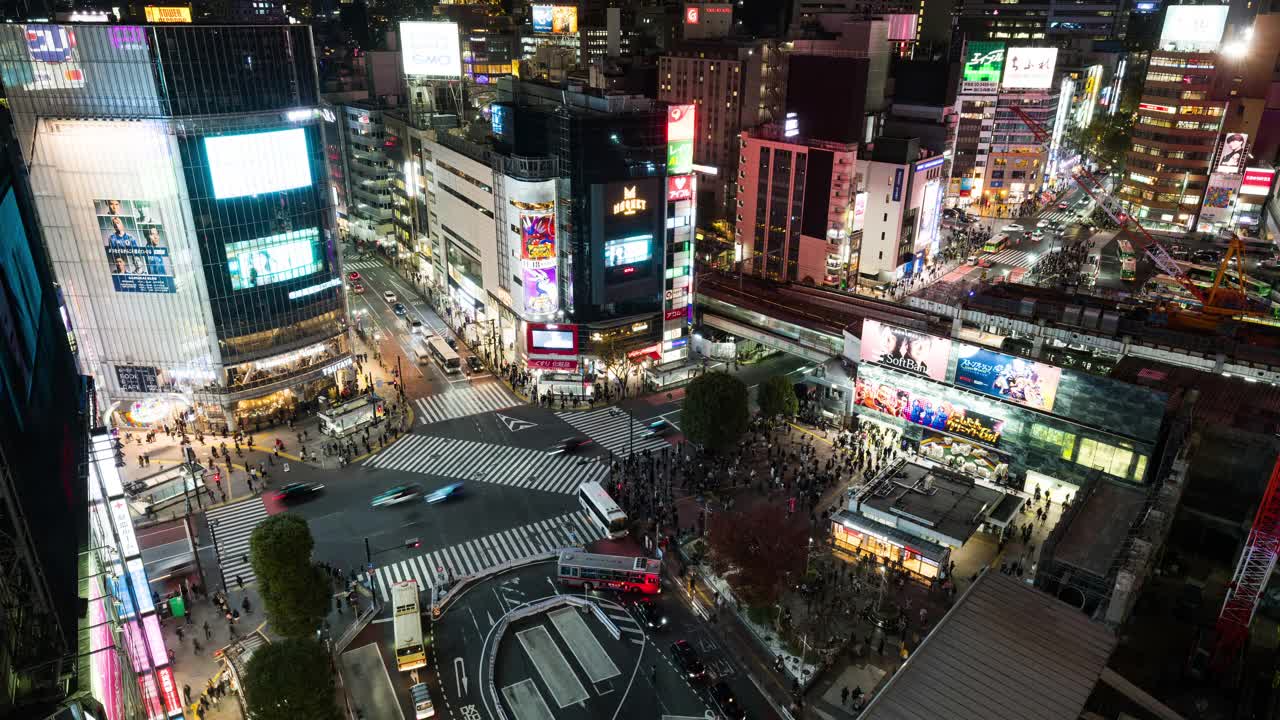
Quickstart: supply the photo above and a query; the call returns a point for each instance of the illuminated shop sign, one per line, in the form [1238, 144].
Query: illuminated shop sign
[930, 164]
[312, 290]
[630, 204]
[1167, 109]
[679, 187]
[157, 14]
[681, 128]
[928, 411]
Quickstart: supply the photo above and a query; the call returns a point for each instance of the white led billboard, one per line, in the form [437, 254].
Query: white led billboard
[1193, 28]
[430, 49]
[257, 163]
[1029, 68]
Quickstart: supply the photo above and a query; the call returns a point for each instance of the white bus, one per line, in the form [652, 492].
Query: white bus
[410, 653]
[603, 509]
[444, 355]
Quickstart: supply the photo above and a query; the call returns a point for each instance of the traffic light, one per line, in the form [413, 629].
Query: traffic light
[412, 544]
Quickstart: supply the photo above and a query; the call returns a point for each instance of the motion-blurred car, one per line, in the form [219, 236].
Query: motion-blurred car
[357, 288]
[299, 491]
[417, 328]
[725, 703]
[1043, 223]
[1063, 206]
[400, 309]
[687, 660]
[657, 428]
[985, 262]
[1037, 235]
[474, 363]
[396, 495]
[1013, 228]
[570, 445]
[451, 490]
[353, 276]
[651, 613]
[389, 296]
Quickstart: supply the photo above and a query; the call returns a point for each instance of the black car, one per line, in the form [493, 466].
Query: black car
[570, 445]
[474, 363]
[725, 703]
[299, 491]
[1206, 256]
[687, 660]
[651, 614]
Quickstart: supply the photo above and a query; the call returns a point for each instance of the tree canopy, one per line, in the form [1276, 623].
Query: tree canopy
[715, 412]
[295, 592]
[763, 545]
[290, 679]
[777, 397]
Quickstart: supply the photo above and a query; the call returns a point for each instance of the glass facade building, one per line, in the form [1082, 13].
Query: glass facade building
[182, 182]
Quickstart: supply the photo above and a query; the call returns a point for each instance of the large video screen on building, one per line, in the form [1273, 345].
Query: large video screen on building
[983, 65]
[136, 246]
[681, 129]
[1023, 381]
[431, 49]
[553, 339]
[928, 411]
[258, 163]
[628, 251]
[1029, 68]
[1193, 28]
[274, 258]
[558, 19]
[908, 350]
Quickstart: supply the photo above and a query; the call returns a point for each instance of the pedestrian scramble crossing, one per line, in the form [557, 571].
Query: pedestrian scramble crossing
[486, 462]
[463, 401]
[1066, 217]
[611, 429]
[475, 556]
[362, 265]
[1013, 258]
[230, 526]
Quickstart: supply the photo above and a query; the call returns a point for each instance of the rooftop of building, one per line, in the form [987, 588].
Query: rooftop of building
[1224, 401]
[576, 98]
[1095, 531]
[1005, 651]
[775, 132]
[725, 47]
[946, 501]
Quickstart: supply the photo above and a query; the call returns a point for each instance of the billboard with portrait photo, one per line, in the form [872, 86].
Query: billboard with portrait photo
[903, 349]
[1029, 68]
[1019, 380]
[1233, 154]
[135, 245]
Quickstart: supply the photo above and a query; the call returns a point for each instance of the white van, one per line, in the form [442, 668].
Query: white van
[421, 352]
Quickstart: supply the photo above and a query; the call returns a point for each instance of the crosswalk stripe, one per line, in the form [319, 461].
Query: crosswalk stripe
[234, 526]
[462, 402]
[473, 556]
[612, 429]
[487, 462]
[362, 265]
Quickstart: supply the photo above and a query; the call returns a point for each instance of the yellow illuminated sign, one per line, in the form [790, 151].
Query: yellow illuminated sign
[156, 14]
[630, 204]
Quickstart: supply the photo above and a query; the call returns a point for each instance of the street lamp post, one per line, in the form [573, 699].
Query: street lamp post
[222, 574]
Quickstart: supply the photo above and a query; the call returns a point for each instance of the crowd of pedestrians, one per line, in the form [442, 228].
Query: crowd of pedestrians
[1063, 265]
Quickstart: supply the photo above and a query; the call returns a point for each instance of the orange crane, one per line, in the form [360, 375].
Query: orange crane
[1220, 302]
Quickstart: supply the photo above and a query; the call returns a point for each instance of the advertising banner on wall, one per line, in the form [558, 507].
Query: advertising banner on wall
[1257, 181]
[679, 187]
[555, 19]
[54, 59]
[983, 65]
[859, 211]
[1233, 154]
[928, 411]
[541, 294]
[1193, 28]
[136, 247]
[1025, 382]
[1218, 198]
[537, 236]
[138, 379]
[538, 262]
[681, 128]
[431, 49]
[930, 216]
[903, 349]
[902, 27]
[1029, 68]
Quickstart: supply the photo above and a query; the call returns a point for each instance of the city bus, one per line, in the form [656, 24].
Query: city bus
[610, 572]
[444, 355]
[1203, 276]
[996, 243]
[410, 653]
[602, 509]
[1128, 260]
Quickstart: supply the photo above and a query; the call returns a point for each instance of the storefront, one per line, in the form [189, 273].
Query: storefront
[860, 537]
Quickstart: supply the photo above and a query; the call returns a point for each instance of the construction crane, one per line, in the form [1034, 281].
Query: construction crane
[1221, 301]
[1257, 560]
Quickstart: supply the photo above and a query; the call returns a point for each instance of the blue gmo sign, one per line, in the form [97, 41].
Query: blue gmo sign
[930, 163]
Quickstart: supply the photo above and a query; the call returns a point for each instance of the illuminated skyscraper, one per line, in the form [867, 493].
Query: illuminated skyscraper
[180, 178]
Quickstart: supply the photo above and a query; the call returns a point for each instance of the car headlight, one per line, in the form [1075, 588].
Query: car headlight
[664, 621]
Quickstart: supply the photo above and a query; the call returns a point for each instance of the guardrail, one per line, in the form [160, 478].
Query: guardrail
[360, 623]
[463, 584]
[533, 608]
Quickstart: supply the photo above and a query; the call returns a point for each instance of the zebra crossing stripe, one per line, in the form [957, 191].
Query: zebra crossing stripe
[487, 462]
[462, 402]
[474, 556]
[613, 430]
[233, 525]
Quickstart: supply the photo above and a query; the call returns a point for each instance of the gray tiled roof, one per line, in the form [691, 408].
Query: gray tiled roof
[1006, 651]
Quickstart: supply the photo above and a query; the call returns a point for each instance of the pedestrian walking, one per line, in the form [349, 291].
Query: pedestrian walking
[244, 604]
[240, 582]
[208, 633]
[180, 638]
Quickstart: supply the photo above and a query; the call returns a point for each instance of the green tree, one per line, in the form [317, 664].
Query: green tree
[613, 355]
[778, 397]
[294, 591]
[290, 679]
[715, 411]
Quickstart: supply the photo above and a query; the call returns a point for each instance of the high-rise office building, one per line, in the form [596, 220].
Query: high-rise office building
[1043, 21]
[736, 85]
[179, 173]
